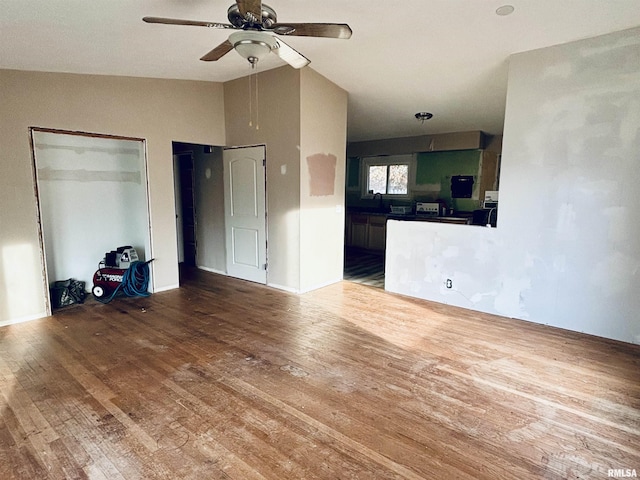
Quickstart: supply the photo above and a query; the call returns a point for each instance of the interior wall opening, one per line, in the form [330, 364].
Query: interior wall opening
[199, 205]
[92, 198]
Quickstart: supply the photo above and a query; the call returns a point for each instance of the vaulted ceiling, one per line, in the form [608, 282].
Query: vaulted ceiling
[446, 57]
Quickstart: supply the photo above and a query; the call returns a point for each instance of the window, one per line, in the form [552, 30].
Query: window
[387, 175]
[388, 179]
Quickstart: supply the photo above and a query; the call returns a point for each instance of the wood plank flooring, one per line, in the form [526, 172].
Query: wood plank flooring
[364, 267]
[224, 379]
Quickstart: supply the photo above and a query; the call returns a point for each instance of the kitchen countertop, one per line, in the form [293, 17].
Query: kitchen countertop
[462, 218]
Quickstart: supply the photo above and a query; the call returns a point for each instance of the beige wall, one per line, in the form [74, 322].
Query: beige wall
[276, 124]
[162, 111]
[158, 111]
[322, 179]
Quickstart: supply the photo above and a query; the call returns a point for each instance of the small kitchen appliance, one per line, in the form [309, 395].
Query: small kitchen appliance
[433, 209]
[400, 210]
[490, 199]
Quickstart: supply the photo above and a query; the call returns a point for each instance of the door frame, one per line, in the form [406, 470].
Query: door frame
[34, 171]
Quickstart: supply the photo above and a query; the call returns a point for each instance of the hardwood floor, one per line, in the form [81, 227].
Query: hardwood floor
[364, 267]
[224, 379]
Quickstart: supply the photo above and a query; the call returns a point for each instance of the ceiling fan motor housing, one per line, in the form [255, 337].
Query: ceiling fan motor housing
[236, 19]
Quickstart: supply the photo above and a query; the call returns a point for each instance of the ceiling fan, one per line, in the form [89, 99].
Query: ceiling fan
[256, 22]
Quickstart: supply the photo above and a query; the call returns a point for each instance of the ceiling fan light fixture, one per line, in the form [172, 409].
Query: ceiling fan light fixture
[252, 46]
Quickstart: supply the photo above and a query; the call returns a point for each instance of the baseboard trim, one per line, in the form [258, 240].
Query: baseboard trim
[164, 289]
[282, 287]
[28, 318]
[321, 285]
[212, 270]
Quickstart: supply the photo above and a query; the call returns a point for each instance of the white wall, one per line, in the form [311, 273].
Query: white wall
[567, 248]
[158, 111]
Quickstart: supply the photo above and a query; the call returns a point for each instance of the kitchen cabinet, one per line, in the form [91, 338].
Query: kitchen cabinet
[367, 231]
[359, 230]
[376, 239]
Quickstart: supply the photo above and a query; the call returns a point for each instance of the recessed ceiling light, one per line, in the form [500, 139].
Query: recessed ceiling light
[422, 116]
[505, 10]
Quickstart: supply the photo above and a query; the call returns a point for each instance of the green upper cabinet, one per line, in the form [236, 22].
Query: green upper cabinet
[432, 167]
[435, 169]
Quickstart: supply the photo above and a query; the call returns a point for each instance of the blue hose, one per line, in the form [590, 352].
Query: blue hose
[135, 281]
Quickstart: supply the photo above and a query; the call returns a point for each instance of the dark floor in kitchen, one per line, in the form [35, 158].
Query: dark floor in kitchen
[364, 267]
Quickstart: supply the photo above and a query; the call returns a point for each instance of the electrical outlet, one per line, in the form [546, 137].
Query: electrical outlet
[449, 283]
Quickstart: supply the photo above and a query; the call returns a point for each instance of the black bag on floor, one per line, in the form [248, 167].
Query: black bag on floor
[67, 292]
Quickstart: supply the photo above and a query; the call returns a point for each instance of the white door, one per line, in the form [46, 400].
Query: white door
[245, 213]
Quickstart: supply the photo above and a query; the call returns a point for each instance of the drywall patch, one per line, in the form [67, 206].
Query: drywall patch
[619, 224]
[559, 71]
[451, 252]
[560, 263]
[609, 272]
[84, 146]
[479, 297]
[82, 175]
[509, 301]
[322, 174]
[566, 227]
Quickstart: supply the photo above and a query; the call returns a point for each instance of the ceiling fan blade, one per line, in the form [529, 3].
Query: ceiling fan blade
[289, 55]
[329, 30]
[176, 21]
[218, 52]
[251, 10]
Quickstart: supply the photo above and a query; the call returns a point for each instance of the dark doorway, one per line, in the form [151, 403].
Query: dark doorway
[185, 205]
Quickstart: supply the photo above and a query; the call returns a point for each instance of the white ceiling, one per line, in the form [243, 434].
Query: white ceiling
[447, 57]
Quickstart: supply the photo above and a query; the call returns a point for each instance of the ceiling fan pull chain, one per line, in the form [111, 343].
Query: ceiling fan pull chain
[257, 105]
[250, 102]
